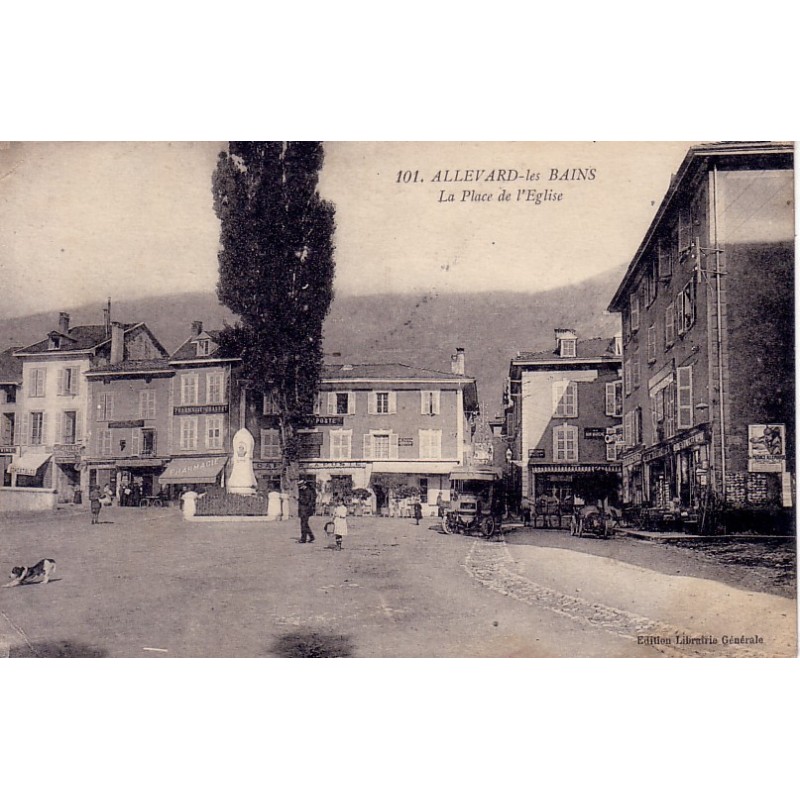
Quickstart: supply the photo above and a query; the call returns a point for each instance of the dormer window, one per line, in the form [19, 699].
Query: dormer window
[568, 348]
[203, 347]
[55, 343]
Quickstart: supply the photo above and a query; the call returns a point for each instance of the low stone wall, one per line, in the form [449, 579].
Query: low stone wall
[24, 499]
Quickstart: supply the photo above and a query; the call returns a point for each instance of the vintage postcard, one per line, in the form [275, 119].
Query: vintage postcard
[397, 399]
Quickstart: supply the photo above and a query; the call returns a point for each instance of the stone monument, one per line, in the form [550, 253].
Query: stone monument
[242, 479]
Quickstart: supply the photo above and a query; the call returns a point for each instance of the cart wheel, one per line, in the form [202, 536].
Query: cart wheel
[447, 524]
[157, 503]
[488, 527]
[143, 503]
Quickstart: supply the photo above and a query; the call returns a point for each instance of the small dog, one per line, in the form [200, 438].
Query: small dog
[19, 575]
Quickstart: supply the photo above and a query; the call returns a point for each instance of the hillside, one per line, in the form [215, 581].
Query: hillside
[419, 330]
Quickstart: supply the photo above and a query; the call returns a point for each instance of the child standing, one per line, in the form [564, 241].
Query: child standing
[339, 523]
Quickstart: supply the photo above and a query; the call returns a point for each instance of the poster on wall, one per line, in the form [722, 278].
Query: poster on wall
[766, 448]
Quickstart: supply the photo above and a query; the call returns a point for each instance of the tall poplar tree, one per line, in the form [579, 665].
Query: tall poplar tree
[276, 266]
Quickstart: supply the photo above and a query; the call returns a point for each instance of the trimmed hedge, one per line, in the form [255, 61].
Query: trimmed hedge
[221, 504]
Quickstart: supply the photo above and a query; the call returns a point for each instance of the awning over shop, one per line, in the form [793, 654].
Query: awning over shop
[539, 469]
[29, 463]
[193, 470]
[413, 467]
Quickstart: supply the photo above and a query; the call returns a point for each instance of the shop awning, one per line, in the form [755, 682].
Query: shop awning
[193, 470]
[412, 467]
[543, 468]
[29, 463]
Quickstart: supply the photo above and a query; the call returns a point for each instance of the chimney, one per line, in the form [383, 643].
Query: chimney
[107, 317]
[117, 342]
[63, 322]
[457, 362]
[197, 327]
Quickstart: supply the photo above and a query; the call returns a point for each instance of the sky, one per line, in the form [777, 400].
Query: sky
[83, 221]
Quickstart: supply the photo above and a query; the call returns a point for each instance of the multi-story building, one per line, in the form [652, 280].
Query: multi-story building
[388, 428]
[205, 411]
[130, 415]
[708, 335]
[562, 415]
[10, 383]
[54, 405]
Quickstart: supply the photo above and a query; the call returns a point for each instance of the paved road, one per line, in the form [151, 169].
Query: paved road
[148, 584]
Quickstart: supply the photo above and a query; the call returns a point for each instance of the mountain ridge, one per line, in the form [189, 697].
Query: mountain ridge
[420, 329]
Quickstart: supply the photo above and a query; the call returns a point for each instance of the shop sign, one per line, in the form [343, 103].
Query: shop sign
[9, 450]
[696, 438]
[267, 466]
[335, 465]
[126, 423]
[213, 408]
[536, 453]
[594, 433]
[67, 453]
[405, 441]
[656, 452]
[766, 448]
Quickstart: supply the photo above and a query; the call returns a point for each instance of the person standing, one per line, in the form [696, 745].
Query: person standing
[339, 523]
[417, 511]
[440, 505]
[94, 504]
[307, 503]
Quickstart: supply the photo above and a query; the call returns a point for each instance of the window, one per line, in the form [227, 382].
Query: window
[214, 424]
[341, 444]
[651, 344]
[627, 377]
[636, 369]
[614, 399]
[147, 404]
[189, 389]
[651, 283]
[270, 444]
[565, 399]
[669, 325]
[215, 387]
[669, 410]
[7, 429]
[664, 258]
[10, 394]
[635, 311]
[568, 348]
[270, 407]
[685, 402]
[203, 347]
[688, 306]
[188, 433]
[611, 451]
[684, 231]
[638, 431]
[382, 403]
[105, 407]
[381, 445]
[148, 447]
[37, 382]
[341, 403]
[37, 427]
[104, 443]
[430, 444]
[68, 381]
[565, 443]
[430, 402]
[69, 427]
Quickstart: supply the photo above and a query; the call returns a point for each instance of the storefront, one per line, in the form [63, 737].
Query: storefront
[32, 470]
[558, 480]
[198, 471]
[140, 476]
[7, 454]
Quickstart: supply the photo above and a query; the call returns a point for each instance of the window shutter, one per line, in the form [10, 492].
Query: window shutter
[423, 401]
[394, 452]
[77, 427]
[437, 401]
[651, 343]
[17, 431]
[669, 325]
[44, 427]
[317, 404]
[351, 402]
[635, 311]
[372, 403]
[618, 398]
[685, 403]
[25, 432]
[392, 402]
[367, 445]
[109, 406]
[331, 402]
[59, 427]
[572, 399]
[136, 441]
[611, 399]
[61, 381]
[558, 392]
[679, 312]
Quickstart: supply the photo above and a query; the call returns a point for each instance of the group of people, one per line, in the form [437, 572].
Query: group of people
[307, 503]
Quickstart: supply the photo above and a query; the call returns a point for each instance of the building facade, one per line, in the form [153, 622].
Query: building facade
[10, 389]
[205, 412]
[391, 429]
[708, 336]
[52, 430]
[563, 409]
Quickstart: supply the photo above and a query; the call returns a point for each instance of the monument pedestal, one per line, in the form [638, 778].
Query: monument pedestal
[242, 479]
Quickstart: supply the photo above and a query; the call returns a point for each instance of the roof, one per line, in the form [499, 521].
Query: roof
[79, 338]
[10, 367]
[597, 349]
[188, 350]
[145, 366]
[387, 372]
[727, 155]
